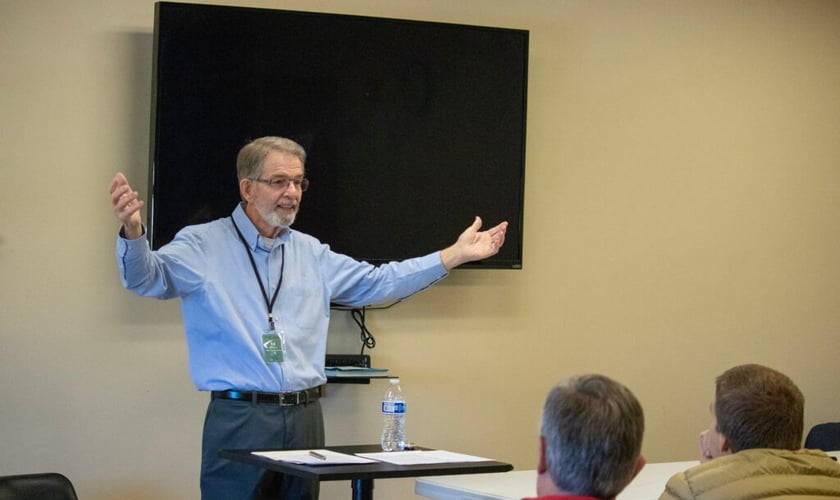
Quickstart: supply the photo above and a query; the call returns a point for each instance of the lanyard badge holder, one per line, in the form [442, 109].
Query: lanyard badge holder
[273, 339]
[274, 343]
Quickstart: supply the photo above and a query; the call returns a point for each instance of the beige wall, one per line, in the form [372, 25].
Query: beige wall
[682, 217]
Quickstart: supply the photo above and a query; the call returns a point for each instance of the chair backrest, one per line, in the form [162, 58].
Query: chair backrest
[825, 436]
[41, 486]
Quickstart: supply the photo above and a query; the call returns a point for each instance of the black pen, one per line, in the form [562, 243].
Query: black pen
[317, 455]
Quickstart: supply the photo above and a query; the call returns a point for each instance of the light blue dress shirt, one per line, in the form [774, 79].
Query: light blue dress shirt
[225, 314]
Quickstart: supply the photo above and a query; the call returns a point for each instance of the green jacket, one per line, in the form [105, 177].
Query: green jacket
[759, 473]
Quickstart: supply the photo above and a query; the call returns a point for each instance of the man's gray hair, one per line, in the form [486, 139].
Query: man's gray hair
[249, 161]
[593, 428]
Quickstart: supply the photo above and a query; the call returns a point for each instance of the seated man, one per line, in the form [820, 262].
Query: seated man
[590, 440]
[753, 448]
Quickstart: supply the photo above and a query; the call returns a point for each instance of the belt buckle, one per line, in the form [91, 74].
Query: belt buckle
[289, 398]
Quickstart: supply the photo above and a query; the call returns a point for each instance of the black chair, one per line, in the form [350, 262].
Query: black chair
[42, 486]
[825, 436]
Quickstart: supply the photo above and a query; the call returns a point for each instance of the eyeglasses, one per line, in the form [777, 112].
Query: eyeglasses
[282, 183]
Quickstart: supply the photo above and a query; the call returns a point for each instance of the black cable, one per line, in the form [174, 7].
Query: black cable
[368, 341]
[340, 307]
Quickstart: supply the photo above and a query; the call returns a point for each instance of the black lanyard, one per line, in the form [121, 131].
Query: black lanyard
[269, 304]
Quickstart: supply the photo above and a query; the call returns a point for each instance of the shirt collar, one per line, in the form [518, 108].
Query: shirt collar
[249, 231]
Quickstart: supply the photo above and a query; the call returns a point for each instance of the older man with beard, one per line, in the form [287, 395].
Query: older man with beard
[255, 296]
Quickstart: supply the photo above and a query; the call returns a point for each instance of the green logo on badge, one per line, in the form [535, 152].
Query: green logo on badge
[272, 348]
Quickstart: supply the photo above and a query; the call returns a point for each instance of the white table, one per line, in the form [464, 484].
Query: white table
[496, 486]
[515, 485]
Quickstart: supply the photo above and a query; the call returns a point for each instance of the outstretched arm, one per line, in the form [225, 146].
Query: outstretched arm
[473, 245]
[126, 205]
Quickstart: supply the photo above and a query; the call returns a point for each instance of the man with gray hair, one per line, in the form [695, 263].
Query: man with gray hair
[255, 296]
[590, 440]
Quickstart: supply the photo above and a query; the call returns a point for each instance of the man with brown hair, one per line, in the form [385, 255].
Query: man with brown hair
[753, 448]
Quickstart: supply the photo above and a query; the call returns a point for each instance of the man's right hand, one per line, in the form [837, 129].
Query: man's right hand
[712, 445]
[126, 205]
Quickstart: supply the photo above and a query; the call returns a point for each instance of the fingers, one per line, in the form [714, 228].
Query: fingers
[119, 186]
[123, 197]
[497, 234]
[119, 180]
[499, 228]
[490, 240]
[125, 201]
[705, 446]
[474, 245]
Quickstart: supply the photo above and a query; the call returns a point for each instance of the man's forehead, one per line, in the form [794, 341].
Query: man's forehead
[282, 162]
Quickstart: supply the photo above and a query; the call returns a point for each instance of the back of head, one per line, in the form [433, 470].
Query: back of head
[758, 407]
[593, 429]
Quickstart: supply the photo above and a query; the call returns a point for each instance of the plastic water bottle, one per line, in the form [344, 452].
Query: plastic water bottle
[393, 413]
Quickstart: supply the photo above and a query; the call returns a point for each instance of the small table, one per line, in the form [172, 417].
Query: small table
[361, 476]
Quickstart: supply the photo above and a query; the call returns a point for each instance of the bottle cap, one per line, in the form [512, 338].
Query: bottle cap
[395, 381]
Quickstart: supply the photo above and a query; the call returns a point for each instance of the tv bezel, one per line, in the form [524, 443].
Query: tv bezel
[515, 234]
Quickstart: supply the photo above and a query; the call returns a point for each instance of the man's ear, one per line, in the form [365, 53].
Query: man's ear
[245, 189]
[640, 463]
[725, 448]
[541, 466]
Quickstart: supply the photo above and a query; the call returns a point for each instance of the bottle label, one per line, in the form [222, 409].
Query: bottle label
[393, 407]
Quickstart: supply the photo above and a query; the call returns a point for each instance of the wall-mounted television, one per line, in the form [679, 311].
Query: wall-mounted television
[411, 128]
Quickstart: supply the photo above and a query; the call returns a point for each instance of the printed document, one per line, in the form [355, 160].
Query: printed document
[313, 457]
[415, 457]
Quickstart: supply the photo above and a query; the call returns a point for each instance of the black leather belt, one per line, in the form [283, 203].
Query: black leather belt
[281, 399]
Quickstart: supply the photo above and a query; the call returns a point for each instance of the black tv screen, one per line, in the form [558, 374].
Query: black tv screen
[411, 128]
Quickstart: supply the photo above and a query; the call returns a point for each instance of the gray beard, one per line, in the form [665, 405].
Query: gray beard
[274, 219]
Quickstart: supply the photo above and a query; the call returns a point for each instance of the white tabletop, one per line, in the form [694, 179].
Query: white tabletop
[496, 486]
[515, 485]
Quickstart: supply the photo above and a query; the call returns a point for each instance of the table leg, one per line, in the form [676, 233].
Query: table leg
[362, 489]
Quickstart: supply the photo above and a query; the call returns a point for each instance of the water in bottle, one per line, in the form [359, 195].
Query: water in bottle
[393, 413]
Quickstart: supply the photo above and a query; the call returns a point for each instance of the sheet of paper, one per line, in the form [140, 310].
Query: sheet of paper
[307, 457]
[414, 457]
